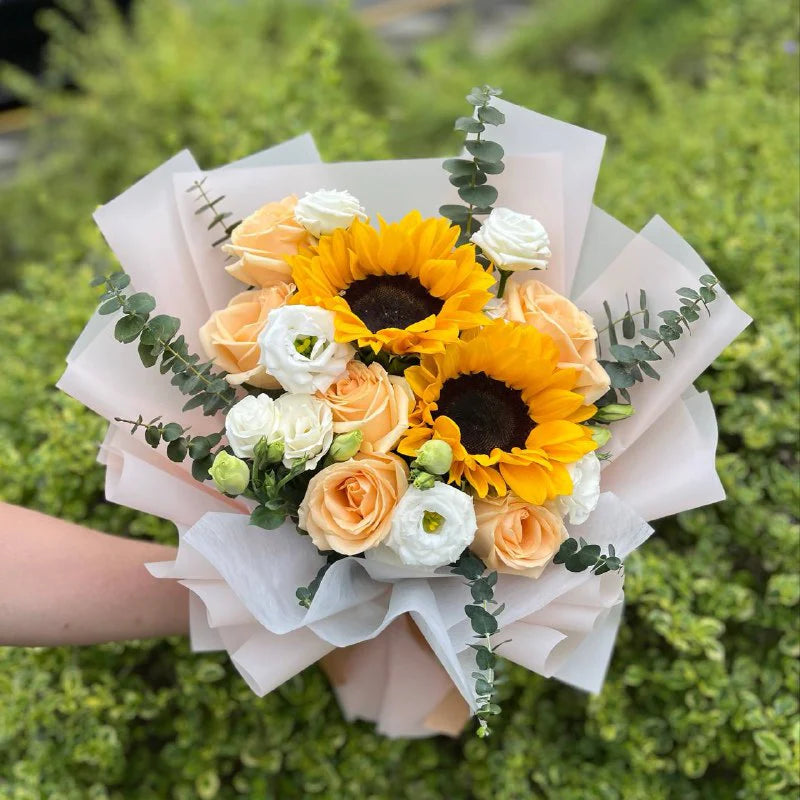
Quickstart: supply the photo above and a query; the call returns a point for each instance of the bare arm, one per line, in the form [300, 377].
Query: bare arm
[64, 584]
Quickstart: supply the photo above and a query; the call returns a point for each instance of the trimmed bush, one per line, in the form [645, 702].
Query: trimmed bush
[700, 103]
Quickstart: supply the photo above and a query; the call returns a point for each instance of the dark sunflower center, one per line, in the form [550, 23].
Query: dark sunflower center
[390, 301]
[488, 413]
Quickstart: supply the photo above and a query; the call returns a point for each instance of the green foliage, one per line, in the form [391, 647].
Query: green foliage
[577, 556]
[470, 175]
[632, 364]
[699, 100]
[484, 624]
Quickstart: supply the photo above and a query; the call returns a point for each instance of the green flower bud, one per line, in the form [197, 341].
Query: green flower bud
[424, 481]
[435, 456]
[345, 445]
[268, 452]
[600, 434]
[613, 412]
[230, 474]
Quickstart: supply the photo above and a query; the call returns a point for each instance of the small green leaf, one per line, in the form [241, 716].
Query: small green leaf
[485, 151]
[119, 281]
[140, 303]
[689, 294]
[628, 326]
[199, 447]
[171, 432]
[459, 166]
[649, 333]
[152, 436]
[708, 280]
[469, 125]
[176, 450]
[623, 353]
[568, 547]
[612, 333]
[481, 590]
[491, 167]
[455, 213]
[690, 313]
[649, 371]
[164, 327]
[110, 306]
[146, 355]
[483, 623]
[491, 115]
[267, 518]
[128, 329]
[482, 196]
[707, 294]
[201, 467]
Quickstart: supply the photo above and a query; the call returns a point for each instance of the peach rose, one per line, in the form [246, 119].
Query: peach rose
[230, 337]
[368, 399]
[572, 330]
[263, 241]
[514, 536]
[348, 506]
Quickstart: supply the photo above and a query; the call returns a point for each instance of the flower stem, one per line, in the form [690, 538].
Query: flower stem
[501, 284]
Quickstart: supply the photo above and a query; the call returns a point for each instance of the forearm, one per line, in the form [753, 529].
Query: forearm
[64, 584]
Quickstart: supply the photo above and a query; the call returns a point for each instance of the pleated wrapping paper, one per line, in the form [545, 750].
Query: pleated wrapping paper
[394, 639]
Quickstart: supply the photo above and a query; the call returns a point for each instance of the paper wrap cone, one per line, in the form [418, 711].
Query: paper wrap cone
[394, 640]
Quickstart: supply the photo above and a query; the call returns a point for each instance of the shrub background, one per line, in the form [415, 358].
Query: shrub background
[699, 101]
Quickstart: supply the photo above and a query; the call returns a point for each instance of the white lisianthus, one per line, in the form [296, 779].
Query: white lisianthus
[513, 242]
[298, 349]
[307, 428]
[431, 527]
[323, 211]
[585, 475]
[253, 418]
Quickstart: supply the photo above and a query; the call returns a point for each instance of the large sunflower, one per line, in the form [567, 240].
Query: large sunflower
[405, 288]
[498, 398]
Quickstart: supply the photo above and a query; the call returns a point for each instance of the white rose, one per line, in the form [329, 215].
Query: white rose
[324, 211]
[431, 527]
[585, 475]
[250, 420]
[513, 241]
[298, 350]
[307, 428]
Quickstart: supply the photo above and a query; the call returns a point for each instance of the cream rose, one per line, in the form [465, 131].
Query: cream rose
[368, 399]
[348, 506]
[516, 537]
[306, 426]
[252, 419]
[298, 348]
[262, 243]
[570, 328]
[230, 337]
[513, 241]
[323, 211]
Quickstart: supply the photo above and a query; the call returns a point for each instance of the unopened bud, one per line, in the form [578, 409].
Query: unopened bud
[269, 452]
[435, 456]
[345, 445]
[230, 474]
[613, 412]
[424, 481]
[601, 434]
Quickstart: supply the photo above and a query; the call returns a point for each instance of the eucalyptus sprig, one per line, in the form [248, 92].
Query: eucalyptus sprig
[159, 341]
[179, 445]
[198, 187]
[470, 175]
[484, 623]
[305, 594]
[632, 364]
[578, 556]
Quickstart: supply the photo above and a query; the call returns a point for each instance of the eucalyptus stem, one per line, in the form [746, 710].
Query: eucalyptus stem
[622, 319]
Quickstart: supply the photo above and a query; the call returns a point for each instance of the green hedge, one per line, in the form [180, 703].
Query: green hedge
[700, 103]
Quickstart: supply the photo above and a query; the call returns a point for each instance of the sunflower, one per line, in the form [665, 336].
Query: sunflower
[498, 398]
[405, 288]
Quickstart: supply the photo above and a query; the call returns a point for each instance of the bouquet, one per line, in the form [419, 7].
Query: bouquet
[409, 417]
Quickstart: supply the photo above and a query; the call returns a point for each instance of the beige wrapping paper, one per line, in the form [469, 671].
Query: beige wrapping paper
[395, 642]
